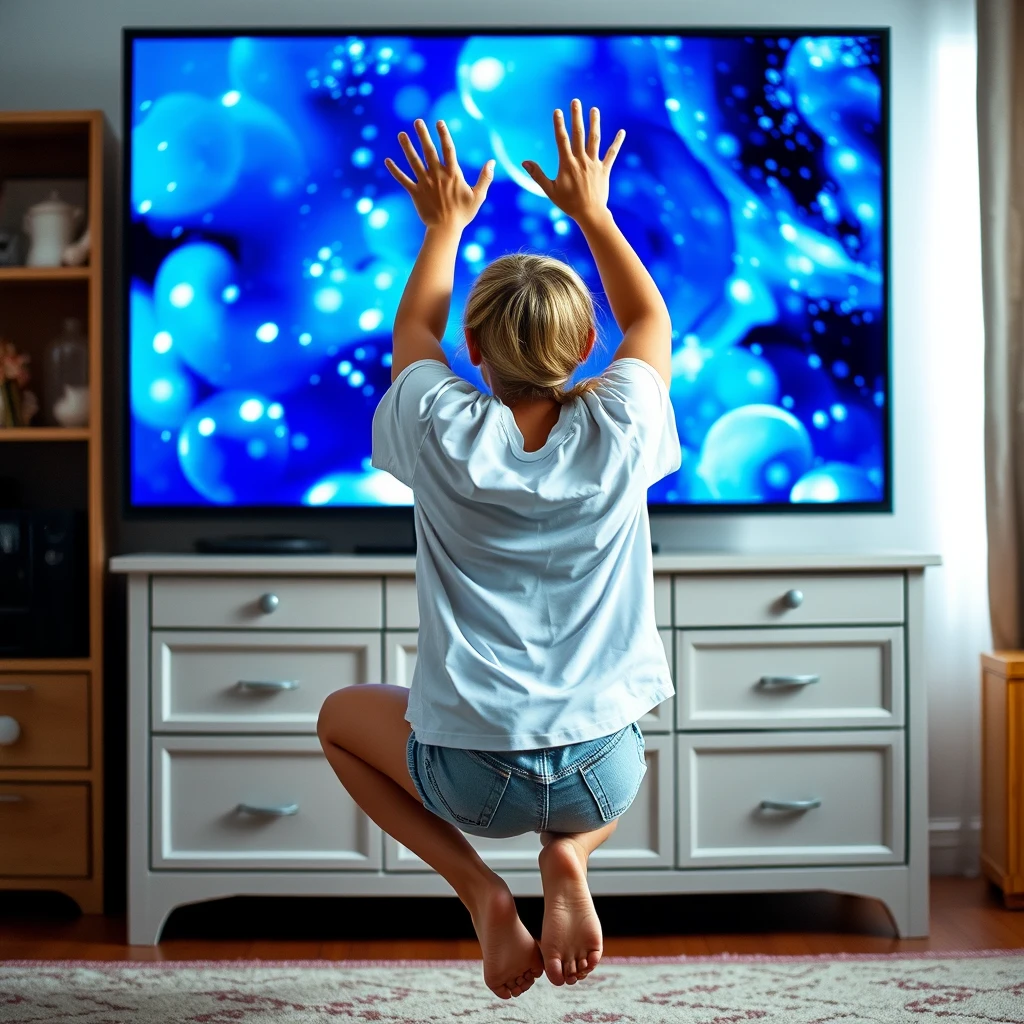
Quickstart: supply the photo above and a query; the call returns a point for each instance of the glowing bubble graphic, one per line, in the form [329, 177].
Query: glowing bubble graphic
[370, 319]
[230, 98]
[327, 300]
[220, 443]
[200, 163]
[744, 452]
[835, 481]
[363, 488]
[486, 74]
[160, 389]
[251, 410]
[181, 295]
[267, 332]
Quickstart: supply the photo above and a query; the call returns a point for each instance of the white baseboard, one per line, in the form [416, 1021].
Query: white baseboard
[953, 853]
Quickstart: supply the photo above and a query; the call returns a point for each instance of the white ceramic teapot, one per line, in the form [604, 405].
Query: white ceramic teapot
[50, 226]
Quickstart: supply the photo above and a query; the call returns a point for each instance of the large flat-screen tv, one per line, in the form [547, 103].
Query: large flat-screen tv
[266, 247]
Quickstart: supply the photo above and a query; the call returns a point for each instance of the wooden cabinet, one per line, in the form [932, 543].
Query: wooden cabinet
[51, 736]
[1002, 773]
[793, 756]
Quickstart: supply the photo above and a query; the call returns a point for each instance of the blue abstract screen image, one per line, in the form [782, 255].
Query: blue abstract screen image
[268, 246]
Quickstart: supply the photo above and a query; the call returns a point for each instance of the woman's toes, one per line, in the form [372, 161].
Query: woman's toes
[553, 969]
[502, 991]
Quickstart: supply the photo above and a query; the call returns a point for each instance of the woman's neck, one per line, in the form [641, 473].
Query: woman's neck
[535, 418]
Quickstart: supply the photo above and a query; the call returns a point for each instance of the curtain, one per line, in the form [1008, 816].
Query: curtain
[1001, 167]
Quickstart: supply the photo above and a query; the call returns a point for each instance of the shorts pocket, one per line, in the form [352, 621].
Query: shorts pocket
[468, 788]
[614, 779]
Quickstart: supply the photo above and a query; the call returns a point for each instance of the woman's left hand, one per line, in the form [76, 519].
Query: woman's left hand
[440, 193]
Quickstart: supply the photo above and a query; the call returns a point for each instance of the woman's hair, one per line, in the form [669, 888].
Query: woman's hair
[531, 317]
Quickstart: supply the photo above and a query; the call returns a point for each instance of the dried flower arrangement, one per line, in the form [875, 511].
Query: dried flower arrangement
[17, 404]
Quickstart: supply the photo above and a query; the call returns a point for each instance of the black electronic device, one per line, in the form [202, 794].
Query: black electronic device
[44, 599]
[256, 544]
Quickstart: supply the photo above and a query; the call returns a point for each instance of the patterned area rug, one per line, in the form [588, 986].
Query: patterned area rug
[985, 988]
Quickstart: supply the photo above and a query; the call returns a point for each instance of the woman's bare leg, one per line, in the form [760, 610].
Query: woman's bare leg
[364, 734]
[570, 941]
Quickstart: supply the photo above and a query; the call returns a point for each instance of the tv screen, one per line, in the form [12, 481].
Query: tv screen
[267, 247]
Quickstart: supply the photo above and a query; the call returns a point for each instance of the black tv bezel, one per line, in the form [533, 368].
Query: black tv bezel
[133, 511]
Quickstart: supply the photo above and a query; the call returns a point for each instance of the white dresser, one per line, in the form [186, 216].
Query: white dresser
[793, 756]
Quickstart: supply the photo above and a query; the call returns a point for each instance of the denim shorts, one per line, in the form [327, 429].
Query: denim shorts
[499, 794]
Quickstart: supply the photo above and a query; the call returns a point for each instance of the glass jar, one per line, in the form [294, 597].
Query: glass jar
[67, 377]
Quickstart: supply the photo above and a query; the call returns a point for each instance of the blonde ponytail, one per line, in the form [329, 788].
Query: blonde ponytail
[531, 317]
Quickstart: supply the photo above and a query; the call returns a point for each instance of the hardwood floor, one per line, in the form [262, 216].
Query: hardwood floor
[966, 914]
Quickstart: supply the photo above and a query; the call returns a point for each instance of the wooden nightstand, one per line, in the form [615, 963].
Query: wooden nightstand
[1002, 778]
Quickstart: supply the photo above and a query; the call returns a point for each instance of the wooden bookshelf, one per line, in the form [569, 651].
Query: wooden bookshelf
[33, 303]
[46, 275]
[45, 433]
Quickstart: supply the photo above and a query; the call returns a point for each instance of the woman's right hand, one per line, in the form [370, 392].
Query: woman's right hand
[580, 188]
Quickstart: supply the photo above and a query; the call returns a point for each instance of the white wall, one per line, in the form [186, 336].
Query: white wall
[66, 53]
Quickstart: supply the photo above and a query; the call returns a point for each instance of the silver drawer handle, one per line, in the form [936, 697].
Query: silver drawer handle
[791, 805]
[15, 687]
[793, 598]
[278, 811]
[11, 798]
[269, 603]
[10, 730]
[780, 682]
[267, 685]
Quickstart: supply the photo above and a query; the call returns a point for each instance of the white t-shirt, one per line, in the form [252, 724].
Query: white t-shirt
[534, 571]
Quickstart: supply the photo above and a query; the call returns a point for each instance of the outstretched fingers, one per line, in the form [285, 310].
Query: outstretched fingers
[399, 175]
[427, 143]
[562, 136]
[451, 161]
[613, 149]
[411, 155]
[534, 171]
[594, 142]
[578, 134]
[483, 182]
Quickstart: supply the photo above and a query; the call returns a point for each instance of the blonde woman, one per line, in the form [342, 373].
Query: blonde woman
[538, 649]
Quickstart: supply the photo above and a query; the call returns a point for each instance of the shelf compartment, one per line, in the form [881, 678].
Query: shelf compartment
[44, 433]
[35, 275]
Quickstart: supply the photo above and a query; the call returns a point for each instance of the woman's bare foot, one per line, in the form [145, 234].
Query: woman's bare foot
[570, 939]
[511, 958]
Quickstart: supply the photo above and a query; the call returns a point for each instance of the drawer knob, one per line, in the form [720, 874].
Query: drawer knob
[791, 805]
[267, 685]
[785, 682]
[269, 810]
[16, 687]
[10, 730]
[269, 603]
[11, 798]
[793, 598]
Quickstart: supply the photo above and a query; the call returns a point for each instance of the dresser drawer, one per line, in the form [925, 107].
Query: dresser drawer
[788, 600]
[45, 830]
[50, 715]
[643, 839]
[254, 682]
[400, 651]
[260, 802]
[663, 600]
[252, 602]
[401, 607]
[790, 678]
[791, 799]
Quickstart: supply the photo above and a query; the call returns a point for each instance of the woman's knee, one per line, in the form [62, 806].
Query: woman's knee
[332, 717]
